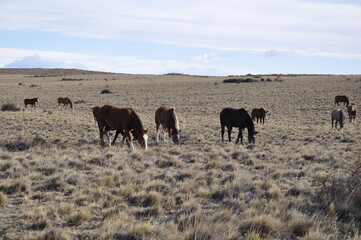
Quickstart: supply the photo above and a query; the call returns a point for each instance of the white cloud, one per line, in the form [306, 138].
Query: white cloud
[120, 64]
[209, 57]
[293, 25]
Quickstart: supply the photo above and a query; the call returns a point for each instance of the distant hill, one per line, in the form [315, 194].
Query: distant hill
[47, 72]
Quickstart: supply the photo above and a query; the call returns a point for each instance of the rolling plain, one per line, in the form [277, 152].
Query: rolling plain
[301, 180]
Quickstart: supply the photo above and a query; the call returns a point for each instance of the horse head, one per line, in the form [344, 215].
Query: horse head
[143, 140]
[175, 136]
[252, 137]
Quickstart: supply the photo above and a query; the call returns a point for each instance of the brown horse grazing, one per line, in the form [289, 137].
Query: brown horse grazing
[95, 115]
[341, 98]
[31, 102]
[166, 117]
[259, 113]
[352, 111]
[65, 101]
[123, 119]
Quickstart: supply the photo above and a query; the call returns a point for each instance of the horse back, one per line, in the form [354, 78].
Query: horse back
[166, 116]
[234, 117]
[115, 117]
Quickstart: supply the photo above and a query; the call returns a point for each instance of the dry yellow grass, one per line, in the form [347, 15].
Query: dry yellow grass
[57, 182]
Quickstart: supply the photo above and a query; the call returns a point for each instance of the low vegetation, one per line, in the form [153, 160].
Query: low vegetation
[300, 181]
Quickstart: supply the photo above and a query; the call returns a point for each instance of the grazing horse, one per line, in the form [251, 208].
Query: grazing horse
[231, 117]
[166, 117]
[65, 101]
[31, 102]
[122, 119]
[95, 115]
[341, 98]
[259, 113]
[338, 116]
[352, 111]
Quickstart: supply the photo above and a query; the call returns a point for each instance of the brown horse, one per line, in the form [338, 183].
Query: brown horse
[341, 98]
[259, 113]
[95, 115]
[123, 119]
[65, 101]
[352, 111]
[166, 117]
[31, 102]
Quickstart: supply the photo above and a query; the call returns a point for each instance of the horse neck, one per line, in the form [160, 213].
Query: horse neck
[176, 123]
[137, 125]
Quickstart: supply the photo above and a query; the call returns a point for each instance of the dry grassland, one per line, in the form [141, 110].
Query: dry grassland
[300, 181]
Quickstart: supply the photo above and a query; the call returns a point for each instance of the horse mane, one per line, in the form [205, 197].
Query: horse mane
[176, 122]
[136, 118]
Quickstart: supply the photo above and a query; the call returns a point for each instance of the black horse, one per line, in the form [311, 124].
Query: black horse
[240, 118]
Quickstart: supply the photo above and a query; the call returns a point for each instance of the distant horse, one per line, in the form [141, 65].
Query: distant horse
[95, 115]
[341, 98]
[123, 119]
[240, 118]
[259, 113]
[352, 111]
[65, 101]
[166, 117]
[338, 116]
[31, 102]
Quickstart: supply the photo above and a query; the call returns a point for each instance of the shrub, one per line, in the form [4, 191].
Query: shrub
[342, 192]
[3, 199]
[10, 107]
[105, 91]
[240, 80]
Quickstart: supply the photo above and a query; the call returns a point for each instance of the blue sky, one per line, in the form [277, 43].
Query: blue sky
[228, 37]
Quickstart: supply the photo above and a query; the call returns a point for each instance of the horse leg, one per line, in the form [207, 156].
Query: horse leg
[101, 132]
[164, 129]
[240, 136]
[331, 123]
[229, 133]
[108, 138]
[157, 137]
[116, 136]
[222, 131]
[170, 140]
[129, 139]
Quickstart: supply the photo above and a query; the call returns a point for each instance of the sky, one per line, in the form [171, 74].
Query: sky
[198, 37]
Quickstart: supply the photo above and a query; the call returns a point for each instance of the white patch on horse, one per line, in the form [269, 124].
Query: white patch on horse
[145, 136]
[157, 137]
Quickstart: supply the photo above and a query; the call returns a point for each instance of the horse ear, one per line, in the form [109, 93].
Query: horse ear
[145, 131]
[172, 109]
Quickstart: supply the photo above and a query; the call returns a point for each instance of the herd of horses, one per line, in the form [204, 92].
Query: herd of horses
[32, 102]
[126, 122]
[339, 116]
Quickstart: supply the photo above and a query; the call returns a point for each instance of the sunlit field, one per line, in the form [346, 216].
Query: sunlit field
[299, 181]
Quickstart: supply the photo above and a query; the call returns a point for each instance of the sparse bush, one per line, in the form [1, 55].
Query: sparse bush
[54, 234]
[3, 199]
[240, 80]
[80, 216]
[343, 191]
[106, 91]
[10, 107]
